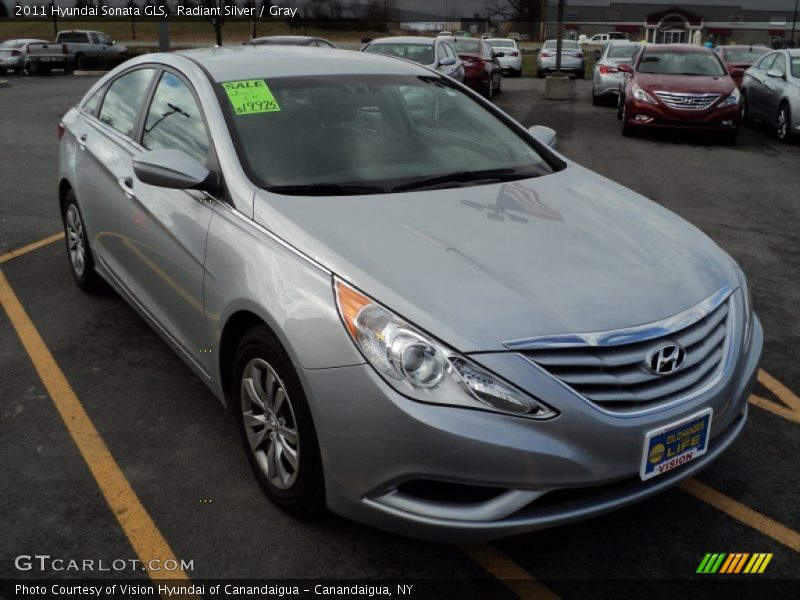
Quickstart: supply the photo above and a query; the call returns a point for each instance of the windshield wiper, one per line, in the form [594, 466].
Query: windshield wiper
[325, 189]
[505, 174]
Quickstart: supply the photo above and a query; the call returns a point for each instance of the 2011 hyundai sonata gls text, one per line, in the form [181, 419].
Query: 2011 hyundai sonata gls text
[422, 317]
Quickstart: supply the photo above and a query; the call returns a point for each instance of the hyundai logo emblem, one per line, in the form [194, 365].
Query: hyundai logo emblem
[667, 359]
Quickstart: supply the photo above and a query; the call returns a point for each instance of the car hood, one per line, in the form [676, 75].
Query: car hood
[686, 84]
[477, 266]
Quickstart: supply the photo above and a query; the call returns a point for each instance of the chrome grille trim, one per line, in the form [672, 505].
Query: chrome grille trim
[687, 101]
[611, 374]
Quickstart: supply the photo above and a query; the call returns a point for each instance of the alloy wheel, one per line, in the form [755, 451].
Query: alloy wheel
[76, 240]
[270, 424]
[783, 123]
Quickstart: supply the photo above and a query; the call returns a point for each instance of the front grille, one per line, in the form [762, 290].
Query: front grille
[688, 101]
[617, 377]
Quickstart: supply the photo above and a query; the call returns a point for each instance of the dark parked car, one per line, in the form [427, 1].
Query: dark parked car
[738, 59]
[482, 71]
[291, 40]
[771, 92]
[679, 86]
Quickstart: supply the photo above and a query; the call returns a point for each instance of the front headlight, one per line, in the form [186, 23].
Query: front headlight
[732, 100]
[640, 95]
[422, 368]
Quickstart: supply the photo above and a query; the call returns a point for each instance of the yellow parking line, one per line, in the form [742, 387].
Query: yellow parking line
[517, 579]
[30, 247]
[137, 524]
[783, 393]
[743, 514]
[775, 408]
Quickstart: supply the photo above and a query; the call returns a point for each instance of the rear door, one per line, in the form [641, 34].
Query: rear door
[105, 136]
[756, 91]
[774, 86]
[165, 230]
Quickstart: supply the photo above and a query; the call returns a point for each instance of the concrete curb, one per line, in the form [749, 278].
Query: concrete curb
[89, 73]
[4, 83]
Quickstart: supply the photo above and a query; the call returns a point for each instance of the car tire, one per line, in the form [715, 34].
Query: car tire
[596, 100]
[79, 251]
[2, 71]
[627, 130]
[580, 74]
[745, 110]
[783, 124]
[276, 426]
[33, 68]
[620, 104]
[490, 91]
[539, 74]
[78, 64]
[516, 73]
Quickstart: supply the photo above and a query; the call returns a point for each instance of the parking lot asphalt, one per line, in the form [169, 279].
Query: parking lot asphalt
[180, 453]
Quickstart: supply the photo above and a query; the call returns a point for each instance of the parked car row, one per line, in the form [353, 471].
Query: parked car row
[67, 52]
[679, 86]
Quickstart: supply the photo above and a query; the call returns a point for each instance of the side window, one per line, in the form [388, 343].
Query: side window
[92, 105]
[779, 65]
[765, 63]
[124, 99]
[104, 39]
[174, 120]
[95, 39]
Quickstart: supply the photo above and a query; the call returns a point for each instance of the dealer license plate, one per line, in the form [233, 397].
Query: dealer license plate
[676, 444]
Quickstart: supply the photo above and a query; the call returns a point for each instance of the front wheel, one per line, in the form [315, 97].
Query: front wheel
[276, 426]
[744, 110]
[783, 124]
[79, 252]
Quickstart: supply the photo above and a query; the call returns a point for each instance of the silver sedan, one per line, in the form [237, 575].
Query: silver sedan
[436, 53]
[13, 54]
[607, 76]
[420, 315]
[572, 59]
[771, 92]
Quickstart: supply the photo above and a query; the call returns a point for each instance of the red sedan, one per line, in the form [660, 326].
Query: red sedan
[482, 70]
[737, 59]
[679, 86]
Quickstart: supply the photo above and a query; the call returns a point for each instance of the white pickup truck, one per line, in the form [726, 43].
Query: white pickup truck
[43, 57]
[81, 43]
[594, 45]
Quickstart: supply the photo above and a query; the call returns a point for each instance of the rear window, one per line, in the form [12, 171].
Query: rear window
[419, 53]
[665, 62]
[502, 44]
[72, 37]
[565, 45]
[468, 45]
[749, 55]
[622, 51]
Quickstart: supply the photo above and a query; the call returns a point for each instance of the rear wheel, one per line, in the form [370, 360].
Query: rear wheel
[783, 124]
[79, 252]
[627, 130]
[276, 426]
[540, 74]
[596, 100]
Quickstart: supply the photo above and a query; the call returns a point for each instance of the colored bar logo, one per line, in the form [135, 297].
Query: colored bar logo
[734, 563]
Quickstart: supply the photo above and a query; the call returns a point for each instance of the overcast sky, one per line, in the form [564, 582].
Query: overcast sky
[468, 7]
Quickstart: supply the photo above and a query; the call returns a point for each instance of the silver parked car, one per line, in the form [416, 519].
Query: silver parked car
[607, 76]
[421, 316]
[510, 55]
[13, 54]
[771, 92]
[572, 59]
[434, 53]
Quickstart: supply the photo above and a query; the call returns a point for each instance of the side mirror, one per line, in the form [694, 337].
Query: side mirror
[174, 169]
[544, 134]
[625, 68]
[447, 61]
[775, 74]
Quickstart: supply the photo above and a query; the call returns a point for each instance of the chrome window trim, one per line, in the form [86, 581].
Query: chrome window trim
[628, 335]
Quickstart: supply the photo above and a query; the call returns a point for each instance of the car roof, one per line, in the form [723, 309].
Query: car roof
[562, 41]
[79, 31]
[232, 63]
[500, 39]
[405, 39]
[24, 40]
[743, 47]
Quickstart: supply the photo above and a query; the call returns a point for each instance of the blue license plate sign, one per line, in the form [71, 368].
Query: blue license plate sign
[673, 445]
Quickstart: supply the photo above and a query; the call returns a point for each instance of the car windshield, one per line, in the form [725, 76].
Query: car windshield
[502, 43]
[665, 62]
[749, 55]
[334, 135]
[419, 53]
[795, 62]
[622, 51]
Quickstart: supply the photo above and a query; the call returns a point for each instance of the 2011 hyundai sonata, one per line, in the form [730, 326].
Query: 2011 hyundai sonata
[423, 317]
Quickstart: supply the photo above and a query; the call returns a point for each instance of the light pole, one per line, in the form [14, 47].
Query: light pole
[560, 35]
[794, 20]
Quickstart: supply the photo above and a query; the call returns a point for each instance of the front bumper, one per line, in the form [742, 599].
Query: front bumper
[380, 450]
[646, 115]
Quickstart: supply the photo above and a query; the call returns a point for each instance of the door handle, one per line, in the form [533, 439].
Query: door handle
[82, 141]
[126, 183]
